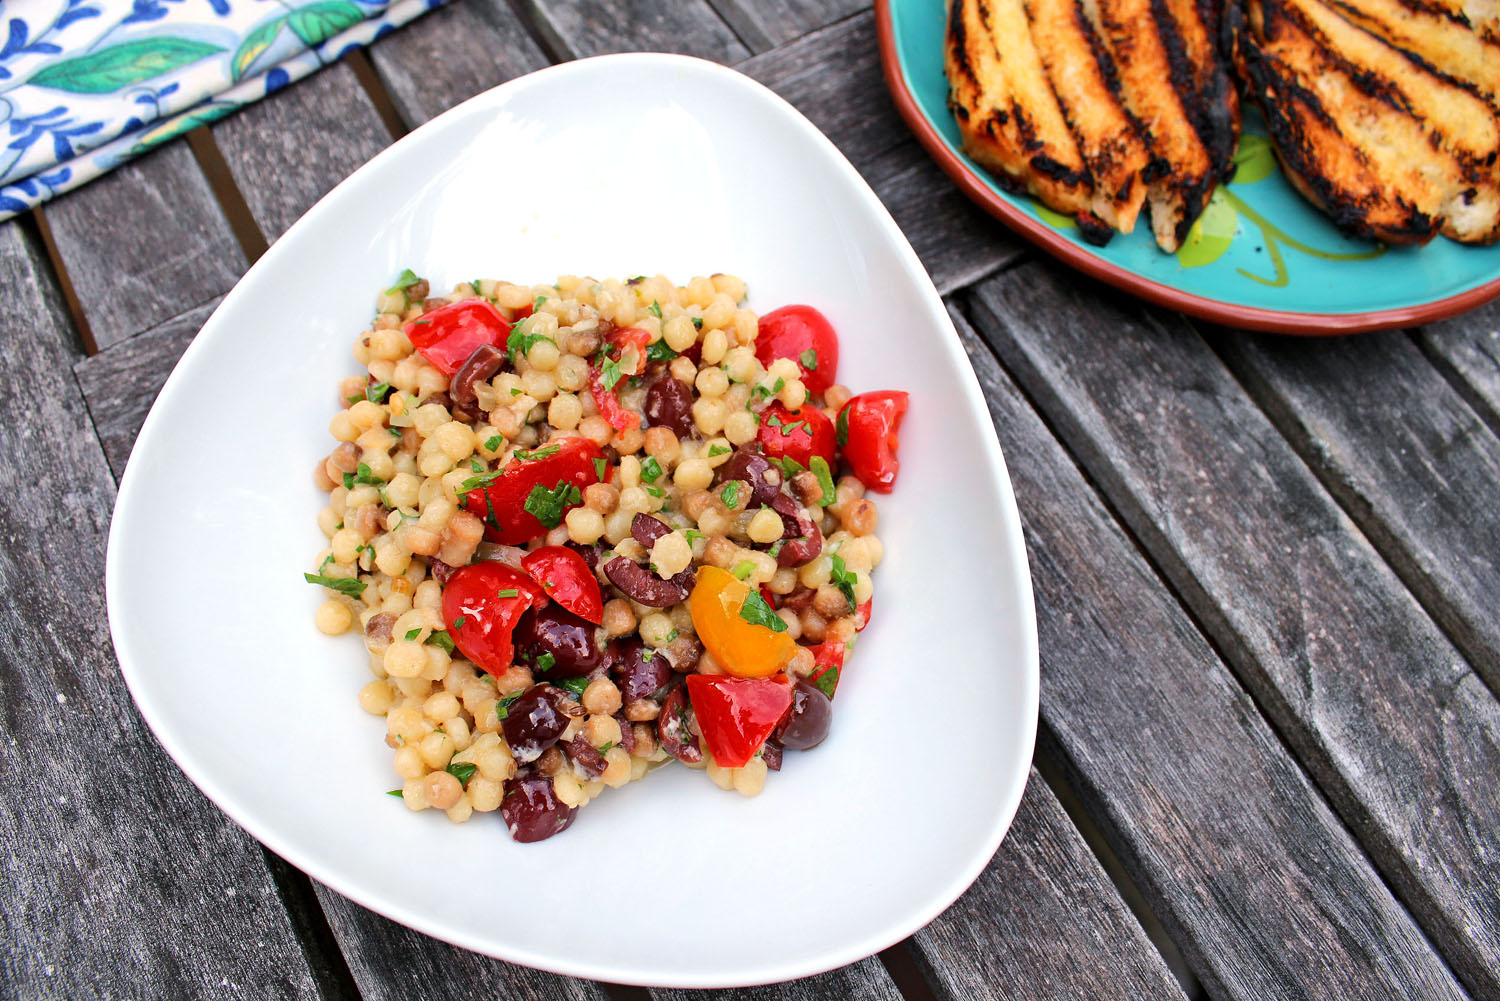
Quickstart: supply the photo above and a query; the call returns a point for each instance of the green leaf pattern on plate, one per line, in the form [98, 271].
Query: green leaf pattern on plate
[1211, 234]
[1253, 160]
[1054, 219]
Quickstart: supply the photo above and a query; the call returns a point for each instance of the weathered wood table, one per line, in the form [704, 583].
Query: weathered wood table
[1267, 576]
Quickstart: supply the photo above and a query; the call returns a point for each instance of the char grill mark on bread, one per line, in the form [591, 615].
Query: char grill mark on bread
[1181, 177]
[1088, 94]
[1430, 144]
[1201, 73]
[1456, 47]
[1007, 113]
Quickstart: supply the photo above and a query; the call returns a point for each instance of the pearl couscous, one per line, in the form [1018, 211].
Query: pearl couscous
[590, 527]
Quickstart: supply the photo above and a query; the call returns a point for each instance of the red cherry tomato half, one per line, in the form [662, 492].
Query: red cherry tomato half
[862, 615]
[607, 398]
[798, 435]
[867, 428]
[481, 604]
[448, 335]
[567, 580]
[804, 335]
[531, 495]
[736, 715]
[828, 665]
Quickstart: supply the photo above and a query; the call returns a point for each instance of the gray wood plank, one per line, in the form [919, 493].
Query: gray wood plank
[687, 27]
[1042, 921]
[287, 150]
[765, 24]
[1413, 463]
[1467, 349]
[144, 243]
[116, 870]
[390, 962]
[120, 384]
[866, 979]
[957, 242]
[1380, 707]
[450, 54]
[1252, 874]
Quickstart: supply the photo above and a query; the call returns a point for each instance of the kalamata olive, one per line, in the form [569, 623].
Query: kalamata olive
[590, 553]
[642, 585]
[669, 404]
[674, 731]
[440, 571]
[744, 464]
[468, 413]
[639, 672]
[801, 542]
[627, 732]
[647, 529]
[770, 753]
[586, 756]
[532, 810]
[480, 366]
[441, 398]
[807, 720]
[534, 722]
[568, 639]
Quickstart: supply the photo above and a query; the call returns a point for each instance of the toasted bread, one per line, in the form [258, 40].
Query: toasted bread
[1455, 47]
[1007, 113]
[1430, 144]
[1180, 178]
[1088, 93]
[1202, 74]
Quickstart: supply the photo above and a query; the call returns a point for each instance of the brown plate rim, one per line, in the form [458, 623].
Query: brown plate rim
[1203, 307]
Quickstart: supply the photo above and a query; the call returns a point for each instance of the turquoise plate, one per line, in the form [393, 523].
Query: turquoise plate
[1260, 257]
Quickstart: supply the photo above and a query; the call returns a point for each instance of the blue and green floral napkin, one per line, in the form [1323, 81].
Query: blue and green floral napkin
[87, 84]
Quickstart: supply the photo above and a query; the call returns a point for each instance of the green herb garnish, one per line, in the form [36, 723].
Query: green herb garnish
[757, 612]
[692, 535]
[743, 569]
[441, 640]
[545, 662]
[719, 450]
[841, 427]
[397, 793]
[650, 469]
[697, 323]
[609, 374]
[841, 578]
[654, 309]
[508, 592]
[574, 686]
[540, 453]
[503, 704]
[362, 474]
[463, 771]
[600, 467]
[660, 351]
[406, 280]
[412, 634]
[458, 623]
[493, 443]
[825, 480]
[547, 506]
[520, 342]
[809, 359]
[353, 587]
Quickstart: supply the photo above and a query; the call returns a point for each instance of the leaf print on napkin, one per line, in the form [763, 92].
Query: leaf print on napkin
[121, 65]
[318, 22]
[254, 46]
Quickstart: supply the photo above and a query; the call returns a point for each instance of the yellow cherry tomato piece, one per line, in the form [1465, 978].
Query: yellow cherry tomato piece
[742, 648]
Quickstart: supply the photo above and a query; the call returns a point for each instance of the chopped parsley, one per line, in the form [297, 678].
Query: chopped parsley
[692, 535]
[841, 427]
[809, 360]
[397, 793]
[540, 453]
[458, 623]
[482, 480]
[441, 640]
[789, 466]
[375, 394]
[742, 569]
[545, 662]
[825, 480]
[412, 634]
[757, 612]
[508, 592]
[660, 351]
[600, 468]
[536, 303]
[673, 635]
[362, 474]
[654, 309]
[395, 432]
[719, 450]
[463, 771]
[609, 373]
[697, 323]
[730, 495]
[404, 281]
[477, 466]
[521, 342]
[607, 745]
[654, 491]
[350, 586]
[502, 705]
[650, 469]
[494, 443]
[842, 578]
[547, 506]
[827, 681]
[574, 686]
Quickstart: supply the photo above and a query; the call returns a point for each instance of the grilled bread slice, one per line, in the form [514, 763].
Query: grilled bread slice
[1007, 113]
[1456, 46]
[1181, 177]
[1202, 74]
[1088, 93]
[1342, 107]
